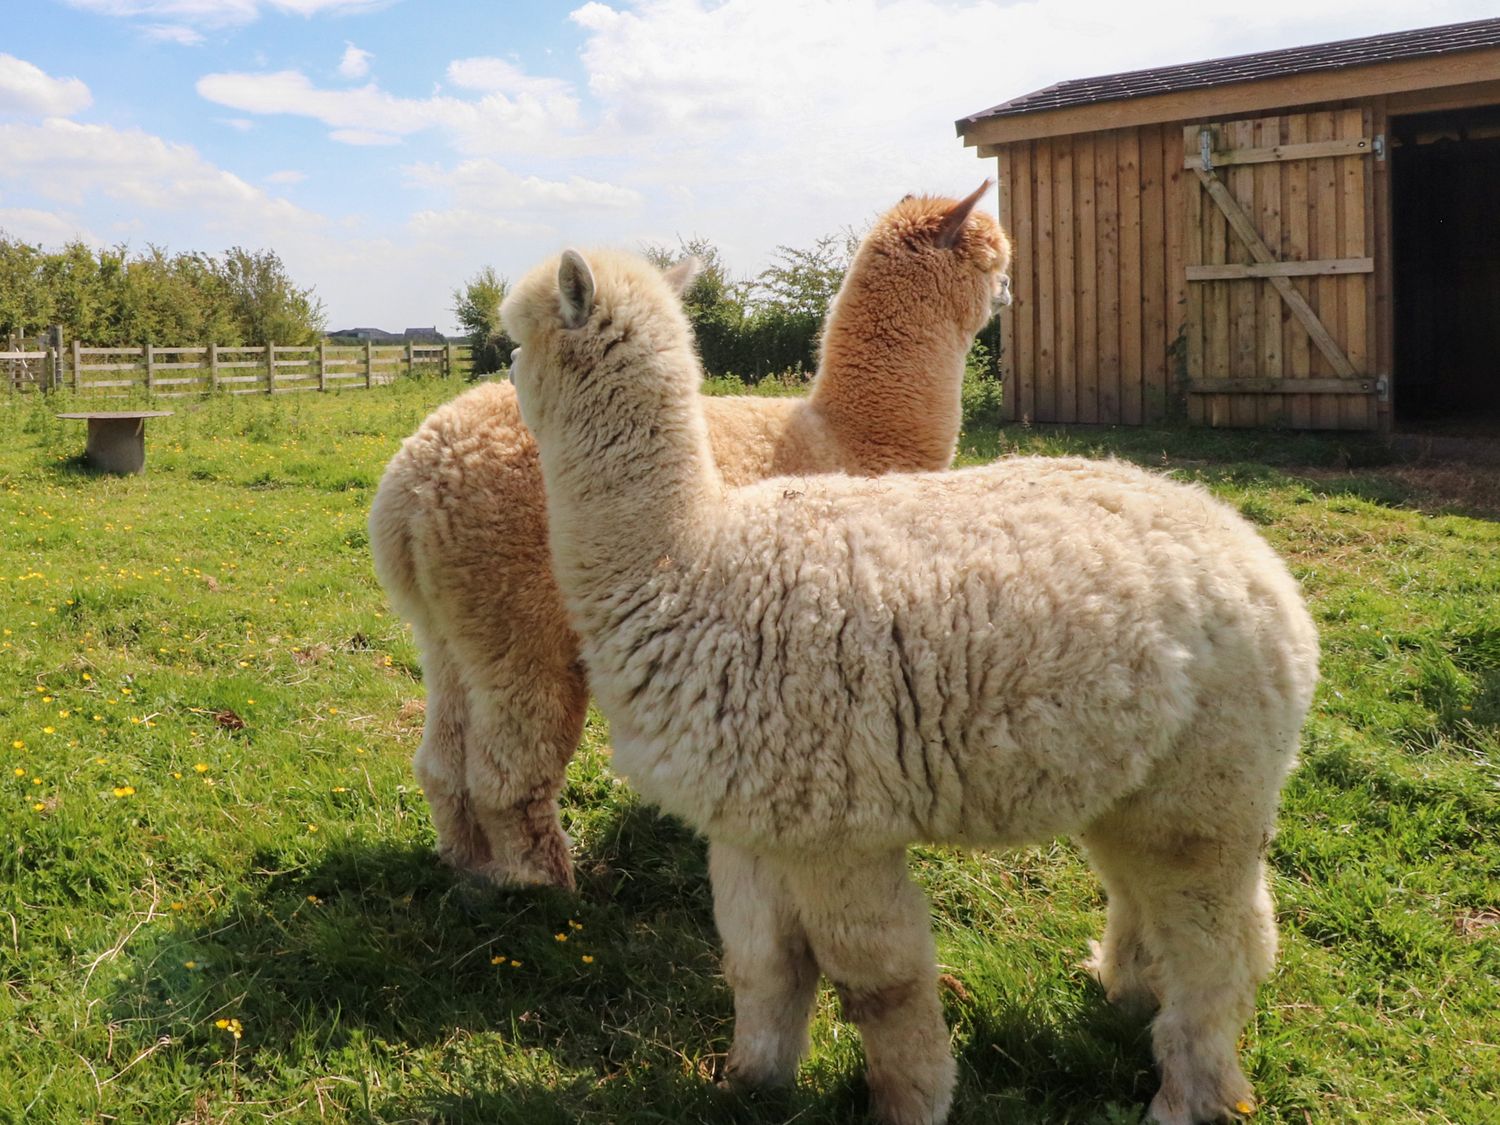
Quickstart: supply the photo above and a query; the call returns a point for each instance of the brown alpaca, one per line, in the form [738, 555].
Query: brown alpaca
[458, 528]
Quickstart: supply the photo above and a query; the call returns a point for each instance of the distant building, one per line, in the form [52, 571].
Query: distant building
[381, 336]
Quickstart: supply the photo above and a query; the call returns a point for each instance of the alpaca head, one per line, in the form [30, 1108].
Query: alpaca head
[608, 327]
[935, 256]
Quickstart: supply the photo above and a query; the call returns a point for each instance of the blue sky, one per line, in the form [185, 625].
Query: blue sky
[387, 149]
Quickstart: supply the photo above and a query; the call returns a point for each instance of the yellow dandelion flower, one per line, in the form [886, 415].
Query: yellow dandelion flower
[587, 959]
[49, 730]
[201, 767]
[190, 964]
[515, 964]
[559, 937]
[497, 960]
[312, 827]
[177, 774]
[179, 906]
[40, 806]
[124, 790]
[340, 789]
[46, 699]
[315, 900]
[18, 744]
[63, 714]
[86, 676]
[20, 772]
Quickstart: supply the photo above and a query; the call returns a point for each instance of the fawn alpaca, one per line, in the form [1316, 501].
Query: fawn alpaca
[818, 671]
[458, 528]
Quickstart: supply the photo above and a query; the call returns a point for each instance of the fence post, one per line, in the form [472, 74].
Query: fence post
[369, 365]
[322, 365]
[270, 368]
[150, 370]
[448, 360]
[213, 368]
[77, 362]
[57, 356]
[49, 369]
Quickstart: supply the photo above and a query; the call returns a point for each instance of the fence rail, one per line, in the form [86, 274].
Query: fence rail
[179, 371]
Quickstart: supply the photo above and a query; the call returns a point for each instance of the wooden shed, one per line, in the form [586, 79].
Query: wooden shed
[1307, 238]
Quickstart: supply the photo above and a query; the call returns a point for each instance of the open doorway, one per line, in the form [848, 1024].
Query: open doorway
[1446, 241]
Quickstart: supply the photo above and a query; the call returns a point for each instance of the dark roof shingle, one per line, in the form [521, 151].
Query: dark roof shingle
[1390, 47]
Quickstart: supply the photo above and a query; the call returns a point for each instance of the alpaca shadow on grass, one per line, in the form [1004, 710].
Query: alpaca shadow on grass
[537, 1006]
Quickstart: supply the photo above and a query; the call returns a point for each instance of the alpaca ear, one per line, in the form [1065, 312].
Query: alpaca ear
[680, 276]
[575, 289]
[954, 220]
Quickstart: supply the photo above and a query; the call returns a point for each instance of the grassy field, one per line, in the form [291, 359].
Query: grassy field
[217, 895]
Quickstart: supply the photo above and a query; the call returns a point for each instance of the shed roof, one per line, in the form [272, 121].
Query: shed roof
[1392, 47]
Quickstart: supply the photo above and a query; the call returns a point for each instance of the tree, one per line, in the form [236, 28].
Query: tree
[477, 307]
[262, 298]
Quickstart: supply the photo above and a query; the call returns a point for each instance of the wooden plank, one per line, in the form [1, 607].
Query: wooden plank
[1257, 385]
[1066, 312]
[1086, 281]
[1318, 267]
[1228, 99]
[1354, 212]
[1016, 317]
[1244, 340]
[1241, 225]
[1107, 217]
[1384, 315]
[1175, 278]
[1153, 279]
[1349, 146]
[1296, 345]
[1192, 253]
[1269, 411]
[1131, 373]
[1046, 294]
[1323, 195]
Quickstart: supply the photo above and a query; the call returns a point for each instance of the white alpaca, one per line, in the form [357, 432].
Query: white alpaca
[818, 672]
[458, 528]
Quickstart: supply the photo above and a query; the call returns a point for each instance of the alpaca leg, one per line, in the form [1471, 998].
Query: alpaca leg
[518, 752]
[871, 933]
[1121, 962]
[439, 761]
[1210, 935]
[768, 965]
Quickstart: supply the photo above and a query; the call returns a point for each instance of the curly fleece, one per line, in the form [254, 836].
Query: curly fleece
[818, 671]
[458, 528]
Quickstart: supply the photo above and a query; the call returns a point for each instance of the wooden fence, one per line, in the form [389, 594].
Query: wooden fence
[174, 372]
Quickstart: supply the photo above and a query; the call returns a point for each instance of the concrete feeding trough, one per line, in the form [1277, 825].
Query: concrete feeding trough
[117, 438]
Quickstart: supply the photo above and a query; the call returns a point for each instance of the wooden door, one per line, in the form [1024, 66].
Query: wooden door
[1279, 247]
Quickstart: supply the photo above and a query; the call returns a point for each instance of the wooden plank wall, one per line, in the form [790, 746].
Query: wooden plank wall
[1099, 276]
[1323, 208]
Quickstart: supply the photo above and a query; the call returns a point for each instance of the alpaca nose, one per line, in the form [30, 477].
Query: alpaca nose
[1002, 294]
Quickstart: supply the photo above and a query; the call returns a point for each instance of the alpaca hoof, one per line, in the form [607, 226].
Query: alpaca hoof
[1202, 1107]
[908, 1104]
[751, 1075]
[1122, 989]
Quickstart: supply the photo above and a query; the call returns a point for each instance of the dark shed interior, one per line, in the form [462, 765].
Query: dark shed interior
[1446, 251]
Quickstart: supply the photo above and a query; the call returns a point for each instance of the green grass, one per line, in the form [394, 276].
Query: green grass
[206, 720]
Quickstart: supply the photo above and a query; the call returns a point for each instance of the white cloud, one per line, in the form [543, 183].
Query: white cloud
[180, 34]
[363, 137]
[75, 164]
[220, 13]
[286, 176]
[530, 116]
[355, 63]
[50, 228]
[25, 88]
[238, 124]
[485, 186]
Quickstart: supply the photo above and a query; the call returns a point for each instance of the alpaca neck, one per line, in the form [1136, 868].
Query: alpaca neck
[891, 389]
[622, 500]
